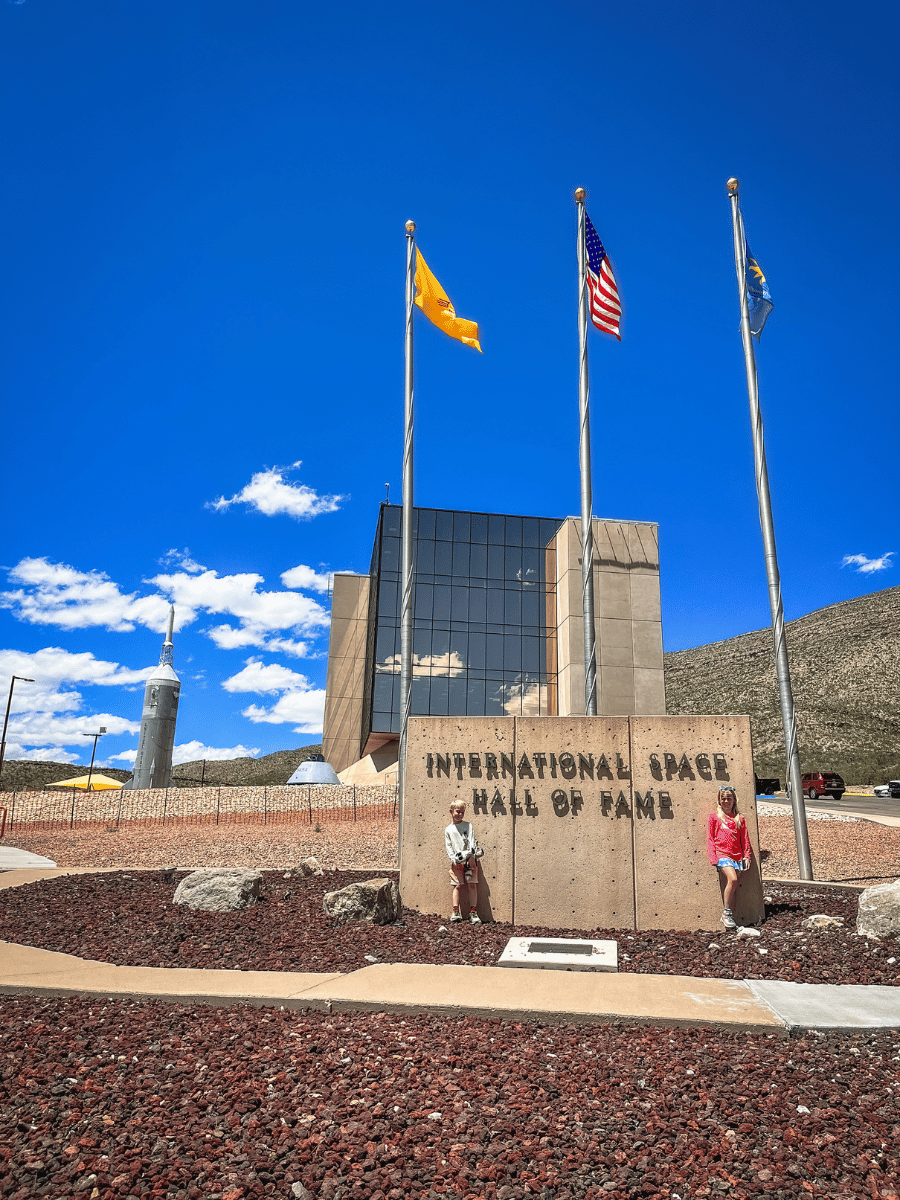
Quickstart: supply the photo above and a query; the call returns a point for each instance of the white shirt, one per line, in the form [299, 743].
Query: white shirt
[459, 838]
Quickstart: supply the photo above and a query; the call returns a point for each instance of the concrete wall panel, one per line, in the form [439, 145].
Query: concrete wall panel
[342, 728]
[572, 841]
[675, 764]
[566, 845]
[464, 744]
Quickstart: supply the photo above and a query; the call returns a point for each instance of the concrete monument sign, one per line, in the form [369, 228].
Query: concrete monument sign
[586, 822]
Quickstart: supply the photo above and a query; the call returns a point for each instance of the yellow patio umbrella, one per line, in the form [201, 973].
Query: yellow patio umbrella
[99, 783]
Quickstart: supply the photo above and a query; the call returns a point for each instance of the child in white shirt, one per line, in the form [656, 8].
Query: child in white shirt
[463, 852]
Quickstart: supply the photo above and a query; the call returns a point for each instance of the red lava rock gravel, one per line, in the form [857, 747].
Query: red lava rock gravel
[841, 850]
[130, 918]
[109, 1100]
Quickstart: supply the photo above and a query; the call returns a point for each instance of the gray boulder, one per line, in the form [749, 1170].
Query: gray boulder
[309, 866]
[376, 900]
[879, 911]
[822, 921]
[224, 890]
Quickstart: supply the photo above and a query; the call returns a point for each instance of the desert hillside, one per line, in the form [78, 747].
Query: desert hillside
[267, 771]
[845, 673]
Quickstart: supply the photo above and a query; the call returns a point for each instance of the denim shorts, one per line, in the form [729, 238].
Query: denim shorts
[730, 862]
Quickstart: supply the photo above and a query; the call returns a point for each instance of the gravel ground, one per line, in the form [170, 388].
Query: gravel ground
[336, 844]
[109, 1100]
[847, 850]
[113, 1100]
[130, 918]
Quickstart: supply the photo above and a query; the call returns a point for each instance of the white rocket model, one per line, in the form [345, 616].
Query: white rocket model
[153, 765]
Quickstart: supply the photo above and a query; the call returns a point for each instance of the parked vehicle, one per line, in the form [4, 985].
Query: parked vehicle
[823, 783]
[892, 788]
[767, 787]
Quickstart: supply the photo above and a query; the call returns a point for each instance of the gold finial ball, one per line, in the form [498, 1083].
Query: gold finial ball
[580, 194]
[732, 186]
[410, 227]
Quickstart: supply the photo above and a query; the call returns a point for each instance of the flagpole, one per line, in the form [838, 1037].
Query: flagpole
[407, 528]
[782, 669]
[584, 456]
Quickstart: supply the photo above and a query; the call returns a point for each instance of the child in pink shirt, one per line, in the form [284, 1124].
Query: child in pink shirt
[728, 847]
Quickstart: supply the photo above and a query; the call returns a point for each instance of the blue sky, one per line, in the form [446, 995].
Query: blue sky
[203, 274]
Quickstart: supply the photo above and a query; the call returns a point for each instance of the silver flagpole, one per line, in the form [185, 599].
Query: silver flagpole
[782, 669]
[406, 624]
[584, 456]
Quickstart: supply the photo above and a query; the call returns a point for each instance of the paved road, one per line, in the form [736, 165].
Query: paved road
[867, 806]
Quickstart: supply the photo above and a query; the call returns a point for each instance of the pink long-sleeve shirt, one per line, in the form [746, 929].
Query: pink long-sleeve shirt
[727, 837]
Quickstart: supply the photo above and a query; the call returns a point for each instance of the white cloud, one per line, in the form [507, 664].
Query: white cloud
[265, 679]
[227, 637]
[52, 666]
[127, 756]
[49, 728]
[57, 594]
[196, 751]
[270, 494]
[529, 699]
[44, 714]
[450, 664]
[867, 566]
[300, 704]
[181, 558]
[305, 708]
[40, 754]
[307, 579]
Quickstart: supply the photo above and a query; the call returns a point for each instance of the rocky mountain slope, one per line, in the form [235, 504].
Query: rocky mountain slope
[269, 770]
[845, 673]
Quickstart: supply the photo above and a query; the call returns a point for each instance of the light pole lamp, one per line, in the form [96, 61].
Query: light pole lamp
[12, 684]
[95, 736]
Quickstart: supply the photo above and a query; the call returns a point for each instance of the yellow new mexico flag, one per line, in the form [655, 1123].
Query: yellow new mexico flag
[435, 304]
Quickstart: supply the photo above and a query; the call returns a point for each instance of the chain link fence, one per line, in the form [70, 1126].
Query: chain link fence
[304, 804]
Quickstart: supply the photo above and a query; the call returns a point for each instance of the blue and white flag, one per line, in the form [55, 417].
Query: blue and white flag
[759, 299]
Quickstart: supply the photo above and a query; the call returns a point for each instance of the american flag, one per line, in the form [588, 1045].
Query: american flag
[603, 305]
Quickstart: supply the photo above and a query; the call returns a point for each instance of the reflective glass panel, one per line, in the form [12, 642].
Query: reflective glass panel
[425, 527]
[478, 562]
[442, 602]
[439, 696]
[456, 697]
[390, 554]
[462, 527]
[443, 558]
[443, 526]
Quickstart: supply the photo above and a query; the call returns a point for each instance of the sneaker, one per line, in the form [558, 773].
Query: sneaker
[728, 920]
[457, 916]
[474, 918]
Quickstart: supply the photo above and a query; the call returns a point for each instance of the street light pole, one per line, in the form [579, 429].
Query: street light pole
[95, 736]
[12, 684]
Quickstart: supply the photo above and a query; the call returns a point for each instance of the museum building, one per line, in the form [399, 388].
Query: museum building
[497, 626]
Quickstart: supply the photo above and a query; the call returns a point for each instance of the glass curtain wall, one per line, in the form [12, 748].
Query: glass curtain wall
[481, 637]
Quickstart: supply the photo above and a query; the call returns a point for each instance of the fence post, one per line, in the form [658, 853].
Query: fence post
[218, 802]
[309, 801]
[394, 808]
[165, 804]
[72, 815]
[119, 813]
[354, 803]
[13, 817]
[265, 806]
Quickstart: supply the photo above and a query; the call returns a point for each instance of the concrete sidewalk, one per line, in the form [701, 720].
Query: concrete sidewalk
[521, 995]
[757, 1006]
